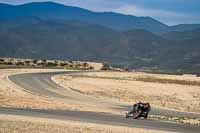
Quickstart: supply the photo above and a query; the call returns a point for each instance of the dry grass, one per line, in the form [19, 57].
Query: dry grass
[12, 95]
[147, 79]
[189, 121]
[168, 81]
[165, 91]
[18, 124]
[134, 75]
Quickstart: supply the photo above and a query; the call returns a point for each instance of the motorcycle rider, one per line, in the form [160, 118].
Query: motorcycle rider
[138, 105]
[145, 107]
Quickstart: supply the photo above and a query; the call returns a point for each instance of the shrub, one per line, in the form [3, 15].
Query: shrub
[8, 63]
[63, 64]
[27, 62]
[1, 60]
[43, 60]
[105, 66]
[85, 64]
[35, 61]
[51, 64]
[20, 63]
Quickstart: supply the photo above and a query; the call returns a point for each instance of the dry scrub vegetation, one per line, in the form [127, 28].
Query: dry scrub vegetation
[189, 121]
[17, 124]
[42, 63]
[166, 91]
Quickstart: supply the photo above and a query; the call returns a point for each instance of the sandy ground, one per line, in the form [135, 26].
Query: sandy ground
[122, 87]
[12, 95]
[133, 75]
[19, 124]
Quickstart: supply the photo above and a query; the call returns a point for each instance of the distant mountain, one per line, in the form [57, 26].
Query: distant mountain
[145, 44]
[116, 21]
[32, 37]
[36, 38]
[184, 27]
[183, 35]
[55, 31]
[50, 10]
[48, 39]
[185, 52]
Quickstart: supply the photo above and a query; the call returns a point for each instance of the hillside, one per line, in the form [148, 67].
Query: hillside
[36, 38]
[115, 21]
[50, 10]
[54, 31]
[184, 27]
[183, 35]
[31, 37]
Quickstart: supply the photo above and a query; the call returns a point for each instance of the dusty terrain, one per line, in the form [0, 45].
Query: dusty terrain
[165, 91]
[19, 124]
[12, 95]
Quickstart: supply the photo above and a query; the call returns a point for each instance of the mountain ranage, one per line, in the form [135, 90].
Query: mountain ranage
[54, 31]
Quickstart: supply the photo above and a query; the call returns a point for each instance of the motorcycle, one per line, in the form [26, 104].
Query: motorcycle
[139, 110]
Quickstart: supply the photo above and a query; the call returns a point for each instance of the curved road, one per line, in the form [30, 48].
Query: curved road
[41, 84]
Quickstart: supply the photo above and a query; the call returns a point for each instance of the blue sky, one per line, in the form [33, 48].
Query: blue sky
[168, 11]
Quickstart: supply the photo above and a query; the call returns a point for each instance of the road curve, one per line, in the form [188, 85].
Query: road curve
[41, 84]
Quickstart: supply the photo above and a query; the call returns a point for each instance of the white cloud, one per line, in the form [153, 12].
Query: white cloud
[134, 10]
[168, 17]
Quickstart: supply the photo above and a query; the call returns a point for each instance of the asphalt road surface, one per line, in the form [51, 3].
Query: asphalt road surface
[41, 84]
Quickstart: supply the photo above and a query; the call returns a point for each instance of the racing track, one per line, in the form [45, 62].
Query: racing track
[41, 84]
